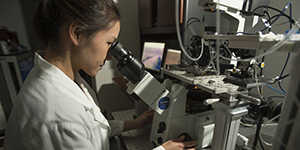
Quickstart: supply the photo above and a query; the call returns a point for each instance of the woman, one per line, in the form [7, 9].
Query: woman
[55, 108]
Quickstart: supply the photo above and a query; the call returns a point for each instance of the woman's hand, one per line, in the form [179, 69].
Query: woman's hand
[178, 144]
[146, 118]
[143, 120]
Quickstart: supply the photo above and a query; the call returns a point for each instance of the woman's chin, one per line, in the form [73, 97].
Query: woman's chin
[93, 73]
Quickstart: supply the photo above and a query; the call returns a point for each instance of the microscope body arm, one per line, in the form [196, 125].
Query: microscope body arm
[152, 92]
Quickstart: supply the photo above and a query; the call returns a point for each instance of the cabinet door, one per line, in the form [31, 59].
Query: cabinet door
[146, 14]
[165, 12]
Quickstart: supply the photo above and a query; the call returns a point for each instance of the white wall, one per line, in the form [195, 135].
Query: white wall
[129, 37]
[11, 16]
[109, 95]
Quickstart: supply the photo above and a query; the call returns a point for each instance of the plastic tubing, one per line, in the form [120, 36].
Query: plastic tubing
[273, 48]
[179, 36]
[268, 144]
[257, 86]
[275, 89]
[269, 51]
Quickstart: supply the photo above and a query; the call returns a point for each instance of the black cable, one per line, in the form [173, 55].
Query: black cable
[188, 24]
[280, 76]
[281, 13]
[261, 144]
[291, 25]
[291, 19]
[192, 23]
[258, 127]
[283, 77]
[287, 59]
[288, 17]
[191, 19]
[269, 16]
[279, 24]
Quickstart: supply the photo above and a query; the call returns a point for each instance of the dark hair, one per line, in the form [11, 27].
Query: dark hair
[90, 15]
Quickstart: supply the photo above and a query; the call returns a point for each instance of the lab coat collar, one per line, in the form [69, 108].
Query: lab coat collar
[57, 78]
[95, 109]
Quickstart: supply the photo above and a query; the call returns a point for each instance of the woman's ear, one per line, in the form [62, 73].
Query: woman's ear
[74, 33]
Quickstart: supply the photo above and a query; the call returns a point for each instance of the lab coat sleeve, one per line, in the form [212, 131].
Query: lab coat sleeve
[117, 127]
[69, 136]
[159, 148]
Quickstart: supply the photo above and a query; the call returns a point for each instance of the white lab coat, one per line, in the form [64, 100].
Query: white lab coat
[53, 112]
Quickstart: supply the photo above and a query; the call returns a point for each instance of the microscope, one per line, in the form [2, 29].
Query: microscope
[169, 100]
[214, 119]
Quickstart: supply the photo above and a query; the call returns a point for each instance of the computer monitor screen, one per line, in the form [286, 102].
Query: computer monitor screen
[173, 57]
[152, 55]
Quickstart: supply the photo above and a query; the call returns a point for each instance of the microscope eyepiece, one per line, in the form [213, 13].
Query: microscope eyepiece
[128, 65]
[117, 51]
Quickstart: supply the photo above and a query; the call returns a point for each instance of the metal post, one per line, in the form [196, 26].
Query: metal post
[227, 126]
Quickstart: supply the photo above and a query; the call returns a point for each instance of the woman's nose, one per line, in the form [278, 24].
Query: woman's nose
[108, 56]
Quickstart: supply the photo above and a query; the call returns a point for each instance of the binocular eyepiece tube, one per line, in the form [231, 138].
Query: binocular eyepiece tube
[128, 65]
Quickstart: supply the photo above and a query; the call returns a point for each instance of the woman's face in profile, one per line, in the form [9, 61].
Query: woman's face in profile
[93, 55]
